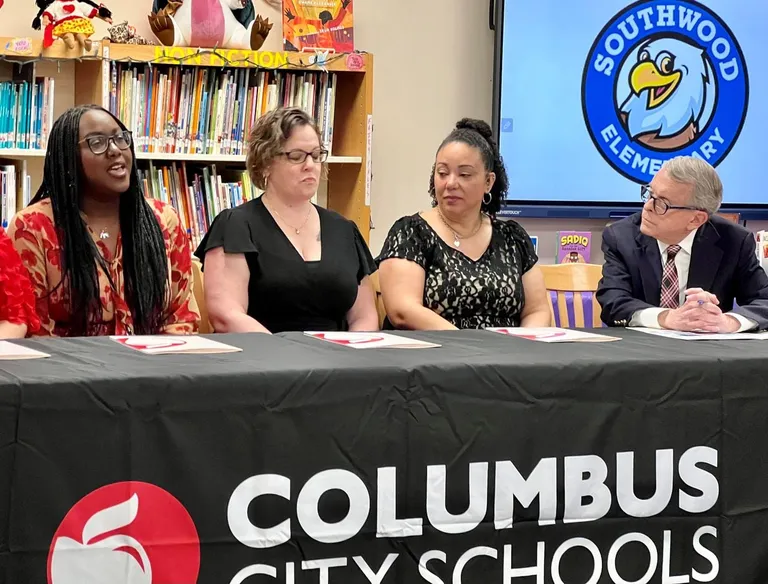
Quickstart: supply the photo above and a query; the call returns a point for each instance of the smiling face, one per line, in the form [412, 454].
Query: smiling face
[659, 77]
[461, 180]
[292, 174]
[105, 154]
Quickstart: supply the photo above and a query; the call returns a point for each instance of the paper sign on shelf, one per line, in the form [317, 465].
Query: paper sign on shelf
[370, 340]
[11, 351]
[169, 344]
[368, 163]
[553, 335]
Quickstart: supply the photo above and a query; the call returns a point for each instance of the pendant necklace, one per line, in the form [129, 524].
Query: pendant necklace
[104, 234]
[296, 229]
[456, 237]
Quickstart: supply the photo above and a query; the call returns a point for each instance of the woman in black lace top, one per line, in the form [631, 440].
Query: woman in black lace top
[456, 266]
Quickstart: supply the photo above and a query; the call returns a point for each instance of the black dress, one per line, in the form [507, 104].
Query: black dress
[469, 294]
[286, 293]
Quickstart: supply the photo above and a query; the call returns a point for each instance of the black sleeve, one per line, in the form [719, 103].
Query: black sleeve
[614, 291]
[751, 284]
[365, 261]
[406, 240]
[519, 238]
[230, 230]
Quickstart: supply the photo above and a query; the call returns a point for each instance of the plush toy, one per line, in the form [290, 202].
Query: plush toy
[69, 20]
[227, 24]
[125, 34]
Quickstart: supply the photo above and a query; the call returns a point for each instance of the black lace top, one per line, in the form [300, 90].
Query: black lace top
[469, 294]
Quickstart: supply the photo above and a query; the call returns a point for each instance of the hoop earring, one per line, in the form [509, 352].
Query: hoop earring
[490, 198]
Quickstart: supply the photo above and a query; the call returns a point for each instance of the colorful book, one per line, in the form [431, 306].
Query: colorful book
[574, 247]
[318, 24]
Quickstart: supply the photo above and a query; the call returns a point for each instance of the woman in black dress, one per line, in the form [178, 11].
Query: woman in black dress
[279, 263]
[456, 266]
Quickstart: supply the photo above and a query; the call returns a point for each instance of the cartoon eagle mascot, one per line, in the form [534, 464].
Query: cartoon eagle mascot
[672, 94]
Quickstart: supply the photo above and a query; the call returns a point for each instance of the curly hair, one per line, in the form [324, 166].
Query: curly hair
[268, 138]
[478, 135]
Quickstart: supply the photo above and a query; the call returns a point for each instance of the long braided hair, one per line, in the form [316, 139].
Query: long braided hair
[145, 269]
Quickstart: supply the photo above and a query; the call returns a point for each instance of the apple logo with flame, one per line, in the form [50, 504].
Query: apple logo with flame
[125, 533]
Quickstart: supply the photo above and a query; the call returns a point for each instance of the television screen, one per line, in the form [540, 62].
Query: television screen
[593, 96]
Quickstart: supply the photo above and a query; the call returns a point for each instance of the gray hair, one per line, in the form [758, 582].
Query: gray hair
[707, 186]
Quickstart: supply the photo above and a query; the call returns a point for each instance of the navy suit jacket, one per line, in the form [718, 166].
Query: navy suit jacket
[723, 262]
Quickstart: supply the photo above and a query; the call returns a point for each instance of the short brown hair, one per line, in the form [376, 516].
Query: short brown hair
[268, 138]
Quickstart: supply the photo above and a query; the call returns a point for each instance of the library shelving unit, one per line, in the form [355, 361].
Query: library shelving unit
[62, 78]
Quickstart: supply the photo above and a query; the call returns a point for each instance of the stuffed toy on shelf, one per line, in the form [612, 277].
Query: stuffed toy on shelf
[125, 34]
[225, 24]
[69, 20]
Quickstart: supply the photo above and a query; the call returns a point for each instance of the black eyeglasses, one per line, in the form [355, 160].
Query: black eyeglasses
[660, 206]
[299, 156]
[99, 143]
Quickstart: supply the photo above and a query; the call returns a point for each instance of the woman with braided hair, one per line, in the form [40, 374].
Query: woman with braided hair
[103, 260]
[456, 266]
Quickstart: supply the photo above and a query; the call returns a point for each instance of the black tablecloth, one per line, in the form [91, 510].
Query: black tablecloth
[678, 429]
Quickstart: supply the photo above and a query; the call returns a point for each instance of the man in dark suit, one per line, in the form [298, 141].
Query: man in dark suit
[676, 265]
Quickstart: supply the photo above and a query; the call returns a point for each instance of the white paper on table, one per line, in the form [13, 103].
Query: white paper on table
[173, 344]
[553, 335]
[10, 351]
[370, 340]
[686, 336]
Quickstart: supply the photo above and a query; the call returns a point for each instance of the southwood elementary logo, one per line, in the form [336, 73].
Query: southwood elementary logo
[664, 79]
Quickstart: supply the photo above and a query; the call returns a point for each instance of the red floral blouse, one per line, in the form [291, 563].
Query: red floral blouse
[17, 299]
[34, 236]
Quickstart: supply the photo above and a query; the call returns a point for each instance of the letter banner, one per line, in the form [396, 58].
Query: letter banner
[489, 459]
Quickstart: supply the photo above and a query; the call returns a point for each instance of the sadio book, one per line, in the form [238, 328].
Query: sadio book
[318, 24]
[574, 247]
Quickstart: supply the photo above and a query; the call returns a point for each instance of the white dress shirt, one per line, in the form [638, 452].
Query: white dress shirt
[649, 317]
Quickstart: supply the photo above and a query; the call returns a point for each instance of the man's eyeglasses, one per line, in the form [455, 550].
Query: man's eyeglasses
[660, 206]
[99, 143]
[299, 156]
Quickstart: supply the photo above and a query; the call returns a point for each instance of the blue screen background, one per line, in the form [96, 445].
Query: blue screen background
[549, 154]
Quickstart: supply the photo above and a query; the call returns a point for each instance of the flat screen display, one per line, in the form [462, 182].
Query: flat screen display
[593, 96]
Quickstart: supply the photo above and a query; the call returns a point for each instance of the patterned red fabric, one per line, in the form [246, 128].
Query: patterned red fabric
[17, 298]
[34, 235]
[670, 285]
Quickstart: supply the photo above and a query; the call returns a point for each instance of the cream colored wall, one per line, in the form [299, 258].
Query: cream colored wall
[433, 65]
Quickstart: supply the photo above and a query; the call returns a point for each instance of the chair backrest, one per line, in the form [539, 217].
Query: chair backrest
[379, 300]
[198, 289]
[572, 290]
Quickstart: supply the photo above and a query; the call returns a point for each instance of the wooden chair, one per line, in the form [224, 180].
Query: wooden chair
[198, 289]
[572, 290]
[379, 300]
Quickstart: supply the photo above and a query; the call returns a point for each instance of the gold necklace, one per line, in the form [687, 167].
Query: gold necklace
[456, 236]
[296, 229]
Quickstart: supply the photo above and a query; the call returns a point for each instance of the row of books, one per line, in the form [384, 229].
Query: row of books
[15, 189]
[26, 112]
[198, 193]
[202, 110]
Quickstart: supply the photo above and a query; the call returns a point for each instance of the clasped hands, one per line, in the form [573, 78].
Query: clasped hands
[700, 313]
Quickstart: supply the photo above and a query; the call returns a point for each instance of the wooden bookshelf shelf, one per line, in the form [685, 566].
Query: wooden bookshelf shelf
[170, 156]
[88, 78]
[21, 153]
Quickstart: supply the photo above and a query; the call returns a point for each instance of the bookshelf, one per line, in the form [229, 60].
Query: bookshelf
[239, 79]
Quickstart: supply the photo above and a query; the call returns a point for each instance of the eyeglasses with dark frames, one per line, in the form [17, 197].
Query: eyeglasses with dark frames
[660, 206]
[299, 156]
[99, 143]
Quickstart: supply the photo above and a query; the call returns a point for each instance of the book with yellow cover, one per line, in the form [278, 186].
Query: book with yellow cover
[318, 24]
